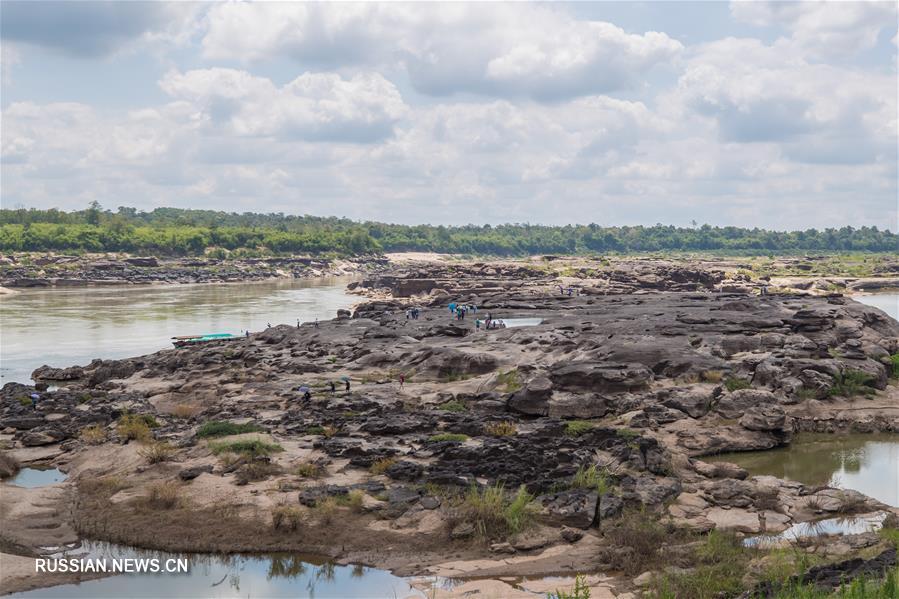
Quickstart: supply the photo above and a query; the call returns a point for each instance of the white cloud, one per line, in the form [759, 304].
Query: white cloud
[312, 107]
[823, 28]
[815, 112]
[498, 50]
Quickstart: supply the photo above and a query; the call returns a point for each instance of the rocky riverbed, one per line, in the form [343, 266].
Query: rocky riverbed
[19, 271]
[526, 451]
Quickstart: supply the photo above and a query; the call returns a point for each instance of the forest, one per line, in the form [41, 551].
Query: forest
[181, 232]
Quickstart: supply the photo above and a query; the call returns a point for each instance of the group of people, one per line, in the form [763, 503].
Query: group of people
[460, 310]
[413, 313]
[568, 291]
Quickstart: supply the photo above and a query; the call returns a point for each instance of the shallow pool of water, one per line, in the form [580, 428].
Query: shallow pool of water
[520, 322]
[866, 463]
[31, 478]
[214, 576]
[829, 526]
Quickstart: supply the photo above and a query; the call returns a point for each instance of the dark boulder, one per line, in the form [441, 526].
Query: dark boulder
[575, 508]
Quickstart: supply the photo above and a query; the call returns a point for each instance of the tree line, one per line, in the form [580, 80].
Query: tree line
[179, 232]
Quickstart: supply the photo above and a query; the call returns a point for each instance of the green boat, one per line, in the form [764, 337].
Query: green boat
[183, 340]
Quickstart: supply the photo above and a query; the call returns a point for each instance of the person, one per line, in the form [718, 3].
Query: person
[298, 323]
[477, 324]
[402, 380]
[307, 396]
[452, 307]
[34, 398]
[348, 385]
[268, 325]
[316, 323]
[248, 333]
[333, 387]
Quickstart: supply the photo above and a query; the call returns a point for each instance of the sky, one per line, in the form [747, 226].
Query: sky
[779, 115]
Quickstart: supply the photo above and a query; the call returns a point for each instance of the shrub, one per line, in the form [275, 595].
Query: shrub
[93, 434]
[459, 437]
[157, 452]
[712, 376]
[851, 383]
[219, 428]
[250, 447]
[352, 500]
[380, 466]
[639, 538]
[576, 428]
[501, 429]
[24, 400]
[493, 514]
[164, 495]
[735, 384]
[325, 509]
[286, 517]
[133, 426]
[184, 410]
[454, 406]
[309, 470]
[591, 478]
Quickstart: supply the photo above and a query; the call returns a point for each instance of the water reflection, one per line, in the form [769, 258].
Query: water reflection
[831, 526]
[214, 576]
[66, 327]
[865, 463]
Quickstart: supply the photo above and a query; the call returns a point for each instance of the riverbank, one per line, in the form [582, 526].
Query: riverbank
[51, 271]
[601, 415]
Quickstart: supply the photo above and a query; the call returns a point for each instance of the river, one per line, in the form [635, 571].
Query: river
[65, 327]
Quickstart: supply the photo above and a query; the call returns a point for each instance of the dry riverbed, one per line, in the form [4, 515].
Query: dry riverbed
[583, 444]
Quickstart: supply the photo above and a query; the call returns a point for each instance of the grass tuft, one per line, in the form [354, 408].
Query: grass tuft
[576, 428]
[220, 428]
[286, 517]
[735, 384]
[380, 466]
[93, 434]
[250, 447]
[501, 429]
[157, 452]
[851, 383]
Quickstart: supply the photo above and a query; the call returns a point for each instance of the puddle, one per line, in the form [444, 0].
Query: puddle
[31, 478]
[219, 576]
[511, 323]
[831, 526]
[865, 463]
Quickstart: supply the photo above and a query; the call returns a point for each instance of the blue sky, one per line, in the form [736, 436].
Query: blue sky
[777, 115]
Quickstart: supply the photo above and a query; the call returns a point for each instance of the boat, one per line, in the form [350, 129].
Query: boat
[182, 340]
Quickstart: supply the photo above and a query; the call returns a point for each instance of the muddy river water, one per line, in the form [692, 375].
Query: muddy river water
[65, 327]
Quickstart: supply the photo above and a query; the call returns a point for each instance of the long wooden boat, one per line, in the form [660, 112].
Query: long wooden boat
[182, 340]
